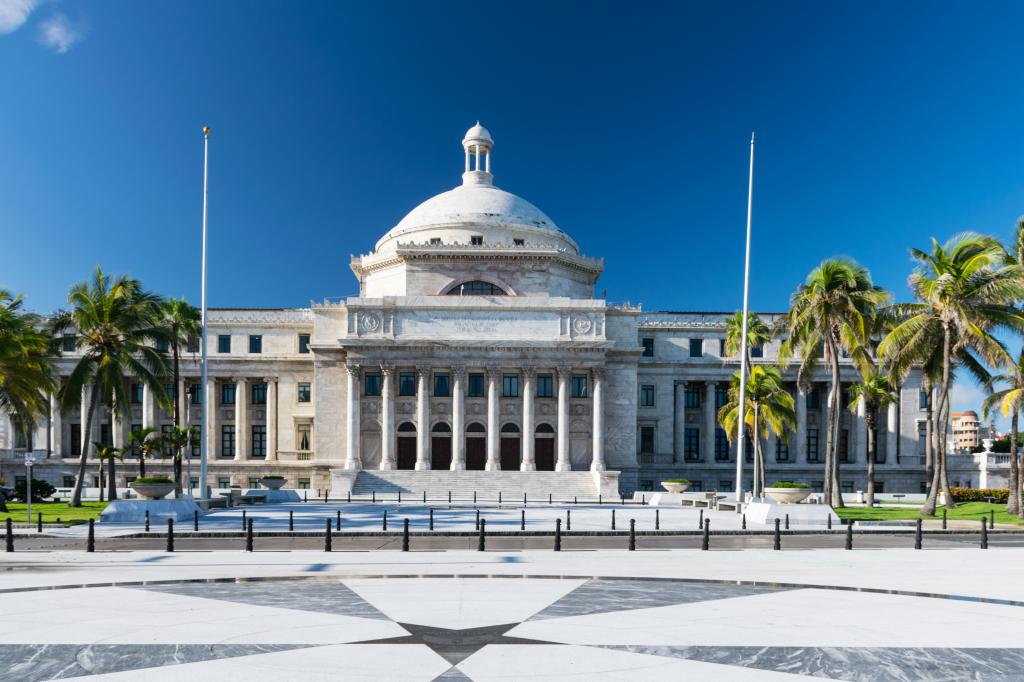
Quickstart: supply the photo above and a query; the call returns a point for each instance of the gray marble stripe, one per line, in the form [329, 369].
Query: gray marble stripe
[859, 664]
[32, 662]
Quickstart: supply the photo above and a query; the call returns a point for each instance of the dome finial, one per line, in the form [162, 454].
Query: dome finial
[478, 142]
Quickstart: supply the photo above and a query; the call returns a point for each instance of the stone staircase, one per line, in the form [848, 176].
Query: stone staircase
[561, 485]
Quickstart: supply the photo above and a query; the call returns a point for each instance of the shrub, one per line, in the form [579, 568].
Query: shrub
[40, 491]
[145, 480]
[681, 481]
[1001, 495]
[788, 484]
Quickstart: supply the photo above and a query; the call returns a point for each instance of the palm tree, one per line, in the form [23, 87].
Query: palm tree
[109, 453]
[877, 394]
[115, 323]
[181, 321]
[146, 442]
[964, 292]
[758, 334]
[177, 439]
[768, 409]
[1009, 400]
[831, 313]
[26, 374]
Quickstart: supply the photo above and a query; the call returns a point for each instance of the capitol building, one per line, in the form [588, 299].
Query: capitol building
[477, 350]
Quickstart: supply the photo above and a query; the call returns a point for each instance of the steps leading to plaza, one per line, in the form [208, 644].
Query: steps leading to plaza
[562, 485]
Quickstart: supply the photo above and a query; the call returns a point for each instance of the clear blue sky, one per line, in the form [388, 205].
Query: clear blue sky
[879, 125]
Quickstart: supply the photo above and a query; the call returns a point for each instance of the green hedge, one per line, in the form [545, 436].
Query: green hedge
[1001, 495]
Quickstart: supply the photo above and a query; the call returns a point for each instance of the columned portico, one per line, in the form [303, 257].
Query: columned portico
[493, 435]
[564, 375]
[527, 440]
[353, 460]
[387, 418]
[458, 419]
[597, 447]
[422, 419]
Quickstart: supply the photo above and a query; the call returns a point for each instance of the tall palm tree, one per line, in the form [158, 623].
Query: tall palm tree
[768, 409]
[832, 312]
[181, 321]
[115, 324]
[147, 443]
[877, 394]
[1009, 400]
[758, 334]
[26, 374]
[964, 292]
[109, 454]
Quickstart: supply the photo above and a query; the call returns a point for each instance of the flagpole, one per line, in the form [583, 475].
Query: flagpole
[743, 343]
[203, 454]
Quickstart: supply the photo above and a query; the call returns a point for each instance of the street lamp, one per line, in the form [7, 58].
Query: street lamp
[30, 460]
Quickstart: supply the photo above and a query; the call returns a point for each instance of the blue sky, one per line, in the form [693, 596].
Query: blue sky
[879, 125]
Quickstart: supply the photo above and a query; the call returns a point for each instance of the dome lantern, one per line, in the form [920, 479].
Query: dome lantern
[477, 142]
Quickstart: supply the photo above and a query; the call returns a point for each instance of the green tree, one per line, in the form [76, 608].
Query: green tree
[877, 394]
[181, 322]
[831, 313]
[116, 325]
[964, 292]
[758, 334]
[26, 373]
[768, 409]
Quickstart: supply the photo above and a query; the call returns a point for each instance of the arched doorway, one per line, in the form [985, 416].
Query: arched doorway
[476, 446]
[406, 446]
[441, 446]
[544, 447]
[510, 447]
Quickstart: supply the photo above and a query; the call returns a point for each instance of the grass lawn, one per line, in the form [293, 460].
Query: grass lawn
[51, 511]
[967, 511]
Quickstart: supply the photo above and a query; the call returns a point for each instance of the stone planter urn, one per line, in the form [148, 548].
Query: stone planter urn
[675, 487]
[153, 491]
[788, 495]
[272, 483]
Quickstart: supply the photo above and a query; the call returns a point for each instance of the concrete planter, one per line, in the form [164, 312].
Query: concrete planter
[272, 483]
[153, 491]
[788, 495]
[675, 487]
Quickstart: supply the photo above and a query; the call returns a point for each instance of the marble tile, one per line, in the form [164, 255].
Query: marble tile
[602, 595]
[326, 596]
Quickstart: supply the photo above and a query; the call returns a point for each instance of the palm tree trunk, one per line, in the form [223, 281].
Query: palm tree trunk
[1013, 501]
[76, 495]
[111, 482]
[869, 417]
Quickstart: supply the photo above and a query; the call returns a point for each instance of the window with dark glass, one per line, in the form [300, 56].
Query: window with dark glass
[545, 386]
[227, 440]
[812, 446]
[579, 385]
[195, 393]
[647, 395]
[648, 345]
[476, 288]
[509, 385]
[223, 343]
[476, 385]
[255, 343]
[371, 383]
[303, 343]
[442, 385]
[259, 393]
[691, 444]
[692, 397]
[696, 348]
[135, 393]
[721, 446]
[305, 393]
[721, 395]
[259, 441]
[68, 342]
[406, 384]
[647, 439]
[227, 394]
[781, 450]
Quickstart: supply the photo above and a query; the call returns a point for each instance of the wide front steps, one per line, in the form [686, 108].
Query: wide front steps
[537, 485]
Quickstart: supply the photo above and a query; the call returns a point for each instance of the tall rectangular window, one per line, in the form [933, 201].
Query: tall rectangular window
[259, 393]
[195, 393]
[227, 440]
[509, 385]
[135, 393]
[721, 396]
[692, 397]
[648, 345]
[227, 394]
[223, 343]
[406, 384]
[371, 383]
[476, 387]
[579, 385]
[303, 343]
[812, 446]
[691, 444]
[647, 439]
[647, 395]
[304, 392]
[545, 386]
[721, 446]
[255, 343]
[259, 441]
[781, 450]
[696, 348]
[442, 385]
[68, 342]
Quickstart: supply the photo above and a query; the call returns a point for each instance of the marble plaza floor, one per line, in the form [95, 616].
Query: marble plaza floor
[939, 614]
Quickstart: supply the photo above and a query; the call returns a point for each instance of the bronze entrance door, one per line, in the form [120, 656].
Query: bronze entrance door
[510, 454]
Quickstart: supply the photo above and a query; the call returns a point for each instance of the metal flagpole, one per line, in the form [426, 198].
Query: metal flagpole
[743, 343]
[203, 454]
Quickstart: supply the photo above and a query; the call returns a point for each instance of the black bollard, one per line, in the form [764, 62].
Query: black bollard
[405, 535]
[291, 519]
[9, 536]
[522, 520]
[337, 520]
[327, 535]
[787, 521]
[476, 524]
[90, 541]
[700, 521]
[705, 542]
[849, 536]
[243, 519]
[778, 537]
[147, 520]
[744, 526]
[657, 519]
[632, 535]
[984, 535]
[195, 520]
[431, 518]
[558, 535]
[613, 519]
[384, 525]
[481, 543]
[170, 535]
[39, 524]
[248, 536]
[943, 519]
[917, 535]
[992, 519]
[568, 519]
[399, 497]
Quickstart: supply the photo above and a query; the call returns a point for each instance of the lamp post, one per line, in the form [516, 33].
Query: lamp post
[30, 459]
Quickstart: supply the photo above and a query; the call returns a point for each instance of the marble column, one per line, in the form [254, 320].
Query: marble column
[597, 460]
[352, 458]
[710, 421]
[271, 418]
[56, 428]
[563, 463]
[528, 462]
[892, 433]
[679, 421]
[210, 398]
[458, 418]
[387, 418]
[860, 427]
[800, 447]
[422, 419]
[493, 434]
[241, 419]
